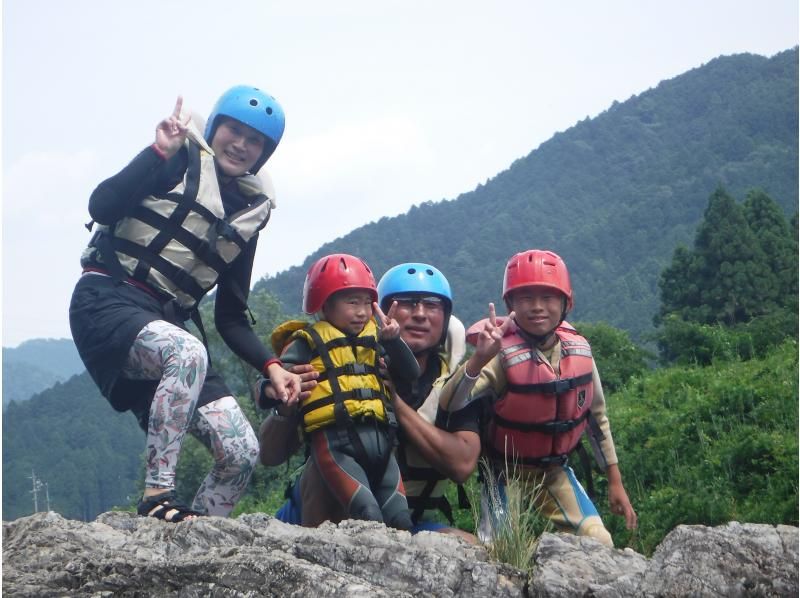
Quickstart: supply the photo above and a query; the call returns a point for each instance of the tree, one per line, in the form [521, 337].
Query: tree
[727, 277]
[618, 358]
[774, 235]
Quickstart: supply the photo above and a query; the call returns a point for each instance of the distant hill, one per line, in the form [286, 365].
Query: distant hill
[614, 195]
[36, 365]
[89, 455]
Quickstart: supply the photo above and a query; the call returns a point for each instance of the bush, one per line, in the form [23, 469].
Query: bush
[707, 445]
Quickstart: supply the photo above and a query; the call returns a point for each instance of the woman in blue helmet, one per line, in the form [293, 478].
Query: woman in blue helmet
[180, 219]
[433, 449]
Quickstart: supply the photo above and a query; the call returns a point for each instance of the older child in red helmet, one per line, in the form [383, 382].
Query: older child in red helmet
[347, 414]
[541, 384]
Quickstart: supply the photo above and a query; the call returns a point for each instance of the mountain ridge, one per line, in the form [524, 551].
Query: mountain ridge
[614, 195]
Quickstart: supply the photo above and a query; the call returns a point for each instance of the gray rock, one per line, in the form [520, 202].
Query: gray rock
[120, 554]
[568, 565]
[730, 560]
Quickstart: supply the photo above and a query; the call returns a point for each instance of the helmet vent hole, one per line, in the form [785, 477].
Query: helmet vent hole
[254, 102]
[429, 272]
[269, 110]
[412, 270]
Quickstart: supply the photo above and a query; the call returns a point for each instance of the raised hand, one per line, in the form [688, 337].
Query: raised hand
[171, 132]
[389, 328]
[488, 342]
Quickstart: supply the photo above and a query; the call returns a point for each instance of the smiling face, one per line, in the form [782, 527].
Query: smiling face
[236, 146]
[348, 310]
[421, 320]
[538, 309]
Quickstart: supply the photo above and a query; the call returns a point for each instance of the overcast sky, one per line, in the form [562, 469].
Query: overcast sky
[388, 104]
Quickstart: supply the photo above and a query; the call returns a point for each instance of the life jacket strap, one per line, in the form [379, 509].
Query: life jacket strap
[555, 387]
[552, 427]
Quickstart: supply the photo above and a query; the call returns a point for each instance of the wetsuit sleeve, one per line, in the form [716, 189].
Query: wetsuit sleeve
[230, 310]
[460, 390]
[606, 445]
[401, 361]
[467, 419]
[296, 352]
[146, 174]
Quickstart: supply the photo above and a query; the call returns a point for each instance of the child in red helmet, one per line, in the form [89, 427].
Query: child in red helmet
[347, 414]
[541, 384]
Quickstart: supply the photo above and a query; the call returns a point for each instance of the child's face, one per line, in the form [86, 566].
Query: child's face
[538, 309]
[236, 146]
[348, 310]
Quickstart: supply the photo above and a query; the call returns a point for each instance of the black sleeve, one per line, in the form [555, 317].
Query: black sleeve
[401, 362]
[468, 418]
[230, 310]
[147, 173]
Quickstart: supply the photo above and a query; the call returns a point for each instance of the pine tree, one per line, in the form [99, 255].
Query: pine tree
[727, 277]
[777, 242]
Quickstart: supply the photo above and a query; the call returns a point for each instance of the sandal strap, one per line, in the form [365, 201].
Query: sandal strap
[160, 505]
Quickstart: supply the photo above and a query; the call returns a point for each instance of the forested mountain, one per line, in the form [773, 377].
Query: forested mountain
[87, 454]
[614, 195]
[36, 365]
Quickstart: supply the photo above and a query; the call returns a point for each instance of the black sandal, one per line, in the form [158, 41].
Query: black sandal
[165, 506]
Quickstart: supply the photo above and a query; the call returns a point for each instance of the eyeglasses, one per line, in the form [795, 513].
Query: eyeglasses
[410, 303]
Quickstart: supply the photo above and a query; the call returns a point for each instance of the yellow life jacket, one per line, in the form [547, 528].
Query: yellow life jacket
[348, 385]
[180, 242]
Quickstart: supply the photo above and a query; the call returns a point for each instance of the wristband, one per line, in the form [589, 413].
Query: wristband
[468, 377]
[269, 362]
[159, 151]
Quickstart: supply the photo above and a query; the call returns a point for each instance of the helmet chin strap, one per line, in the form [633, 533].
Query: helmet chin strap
[540, 339]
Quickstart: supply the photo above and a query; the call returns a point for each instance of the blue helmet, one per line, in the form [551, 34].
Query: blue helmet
[254, 108]
[414, 277]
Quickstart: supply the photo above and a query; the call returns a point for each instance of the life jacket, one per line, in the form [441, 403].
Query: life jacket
[180, 242]
[541, 416]
[348, 385]
[425, 486]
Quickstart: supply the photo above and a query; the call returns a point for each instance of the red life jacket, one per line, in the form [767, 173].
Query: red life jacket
[540, 418]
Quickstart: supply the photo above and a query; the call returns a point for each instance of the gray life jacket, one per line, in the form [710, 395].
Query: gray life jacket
[180, 242]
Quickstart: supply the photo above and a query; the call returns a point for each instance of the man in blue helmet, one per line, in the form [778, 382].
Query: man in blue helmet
[180, 219]
[432, 447]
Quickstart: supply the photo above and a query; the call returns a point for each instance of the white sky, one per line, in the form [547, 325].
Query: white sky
[388, 103]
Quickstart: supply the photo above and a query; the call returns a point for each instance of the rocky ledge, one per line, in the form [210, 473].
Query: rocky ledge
[120, 554]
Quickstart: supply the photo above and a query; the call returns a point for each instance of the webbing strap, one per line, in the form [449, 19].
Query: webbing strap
[551, 427]
[554, 387]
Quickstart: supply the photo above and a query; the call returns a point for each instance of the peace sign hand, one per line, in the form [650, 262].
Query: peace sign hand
[171, 132]
[390, 328]
[488, 342]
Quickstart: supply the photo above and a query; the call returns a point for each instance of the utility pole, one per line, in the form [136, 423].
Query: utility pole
[37, 487]
[35, 491]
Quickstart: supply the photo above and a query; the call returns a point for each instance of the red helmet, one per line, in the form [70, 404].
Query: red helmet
[536, 267]
[333, 273]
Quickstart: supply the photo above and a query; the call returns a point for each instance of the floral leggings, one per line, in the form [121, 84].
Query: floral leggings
[179, 361]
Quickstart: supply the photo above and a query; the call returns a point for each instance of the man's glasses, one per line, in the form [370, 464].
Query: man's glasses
[429, 304]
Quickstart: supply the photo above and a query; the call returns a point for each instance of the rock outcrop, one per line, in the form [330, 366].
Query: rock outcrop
[120, 554]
